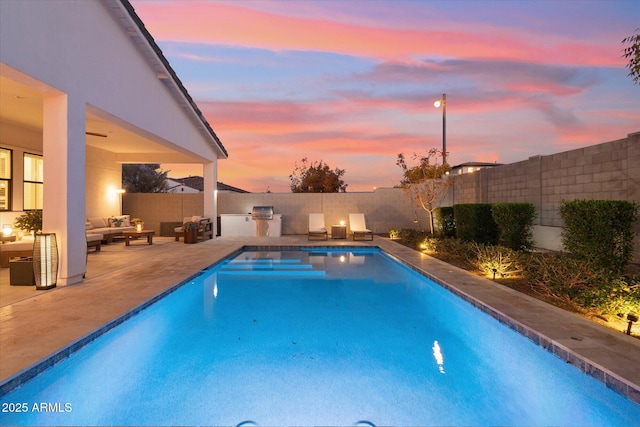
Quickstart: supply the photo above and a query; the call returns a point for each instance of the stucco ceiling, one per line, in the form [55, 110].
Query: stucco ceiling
[21, 105]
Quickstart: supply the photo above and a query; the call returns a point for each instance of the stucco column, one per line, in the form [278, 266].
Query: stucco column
[210, 177]
[63, 138]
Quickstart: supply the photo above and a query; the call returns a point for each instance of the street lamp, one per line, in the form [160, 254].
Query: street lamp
[443, 101]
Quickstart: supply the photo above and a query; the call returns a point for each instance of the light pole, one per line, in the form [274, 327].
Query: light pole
[443, 102]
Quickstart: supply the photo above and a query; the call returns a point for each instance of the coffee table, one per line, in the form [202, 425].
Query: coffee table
[137, 234]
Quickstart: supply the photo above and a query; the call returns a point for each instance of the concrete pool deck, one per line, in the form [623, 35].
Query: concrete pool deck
[34, 325]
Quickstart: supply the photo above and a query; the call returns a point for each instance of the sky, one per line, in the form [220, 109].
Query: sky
[353, 83]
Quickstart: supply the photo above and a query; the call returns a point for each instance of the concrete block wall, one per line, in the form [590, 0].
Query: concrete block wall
[155, 208]
[384, 208]
[609, 171]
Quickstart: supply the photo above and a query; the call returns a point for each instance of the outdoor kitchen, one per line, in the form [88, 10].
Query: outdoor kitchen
[260, 222]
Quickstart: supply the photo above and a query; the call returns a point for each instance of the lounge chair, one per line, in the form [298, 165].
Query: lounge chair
[316, 226]
[358, 227]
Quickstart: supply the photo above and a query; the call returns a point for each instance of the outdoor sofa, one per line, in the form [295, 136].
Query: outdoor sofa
[109, 227]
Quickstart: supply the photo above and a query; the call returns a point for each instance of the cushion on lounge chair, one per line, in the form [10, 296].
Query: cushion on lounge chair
[316, 226]
[358, 226]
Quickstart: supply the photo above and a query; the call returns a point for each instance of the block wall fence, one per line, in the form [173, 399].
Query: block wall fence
[608, 171]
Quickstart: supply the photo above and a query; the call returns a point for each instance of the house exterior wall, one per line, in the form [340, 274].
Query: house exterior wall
[101, 183]
[79, 56]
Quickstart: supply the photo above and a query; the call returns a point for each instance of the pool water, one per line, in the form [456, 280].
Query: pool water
[314, 338]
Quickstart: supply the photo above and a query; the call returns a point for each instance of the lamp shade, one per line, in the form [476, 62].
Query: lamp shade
[45, 260]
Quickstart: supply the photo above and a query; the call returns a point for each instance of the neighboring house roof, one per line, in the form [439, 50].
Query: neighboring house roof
[476, 164]
[172, 75]
[224, 187]
[197, 183]
[469, 167]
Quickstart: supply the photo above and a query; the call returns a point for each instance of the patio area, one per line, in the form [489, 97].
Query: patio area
[37, 324]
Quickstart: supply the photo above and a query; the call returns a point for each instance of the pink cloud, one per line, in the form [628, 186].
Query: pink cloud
[237, 25]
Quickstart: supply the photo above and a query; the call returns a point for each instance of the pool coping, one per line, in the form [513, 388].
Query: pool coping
[408, 257]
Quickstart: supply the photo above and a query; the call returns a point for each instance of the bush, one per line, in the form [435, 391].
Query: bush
[621, 297]
[600, 232]
[474, 223]
[456, 250]
[430, 244]
[446, 224]
[559, 276]
[514, 221]
[496, 260]
[412, 237]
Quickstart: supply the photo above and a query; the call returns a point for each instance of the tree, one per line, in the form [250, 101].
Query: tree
[425, 182]
[145, 178]
[632, 53]
[316, 177]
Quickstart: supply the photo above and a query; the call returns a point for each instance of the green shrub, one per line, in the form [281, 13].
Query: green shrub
[394, 233]
[622, 297]
[600, 232]
[514, 221]
[496, 261]
[456, 250]
[559, 276]
[446, 225]
[430, 244]
[412, 237]
[474, 223]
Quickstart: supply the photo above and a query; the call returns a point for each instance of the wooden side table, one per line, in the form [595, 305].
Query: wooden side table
[135, 234]
[338, 231]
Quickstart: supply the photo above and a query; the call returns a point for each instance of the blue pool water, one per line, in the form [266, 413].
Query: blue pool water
[314, 338]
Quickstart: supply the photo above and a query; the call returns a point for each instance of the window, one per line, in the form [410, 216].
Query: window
[33, 182]
[5, 179]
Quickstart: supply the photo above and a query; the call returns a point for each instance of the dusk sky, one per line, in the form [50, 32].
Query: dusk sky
[353, 83]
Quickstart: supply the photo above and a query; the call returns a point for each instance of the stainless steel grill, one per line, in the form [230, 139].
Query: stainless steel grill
[262, 212]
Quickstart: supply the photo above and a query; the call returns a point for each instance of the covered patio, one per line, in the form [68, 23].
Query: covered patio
[83, 93]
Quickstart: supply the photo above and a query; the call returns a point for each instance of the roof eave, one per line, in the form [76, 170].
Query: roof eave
[169, 77]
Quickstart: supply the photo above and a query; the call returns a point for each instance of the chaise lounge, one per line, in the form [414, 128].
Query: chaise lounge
[358, 226]
[316, 227]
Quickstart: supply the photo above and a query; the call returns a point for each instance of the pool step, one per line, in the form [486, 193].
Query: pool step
[285, 267]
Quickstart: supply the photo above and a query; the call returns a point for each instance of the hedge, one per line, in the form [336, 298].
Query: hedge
[474, 223]
[445, 221]
[515, 221]
[600, 231]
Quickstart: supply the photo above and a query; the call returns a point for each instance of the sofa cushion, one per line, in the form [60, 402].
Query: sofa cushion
[88, 226]
[92, 237]
[124, 223]
[98, 222]
[20, 245]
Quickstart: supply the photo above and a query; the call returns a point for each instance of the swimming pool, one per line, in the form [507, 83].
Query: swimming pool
[332, 337]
